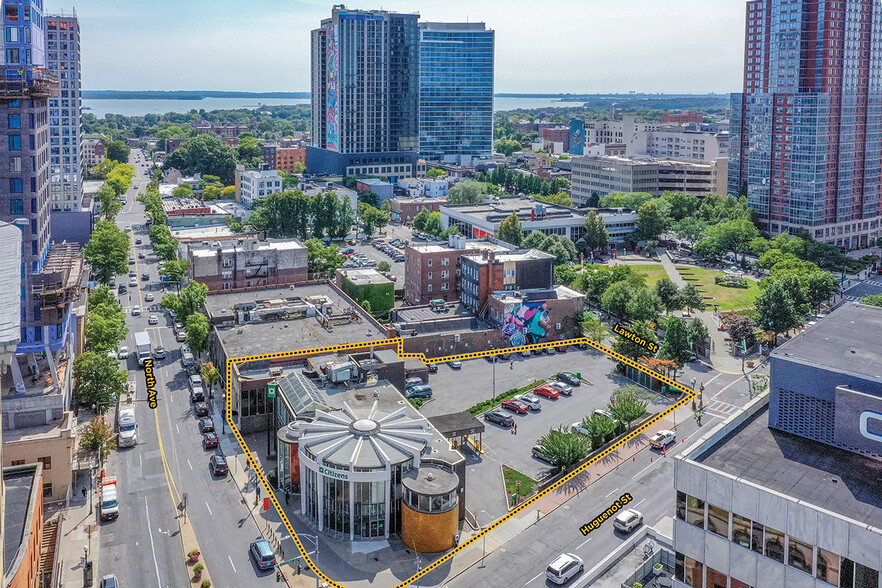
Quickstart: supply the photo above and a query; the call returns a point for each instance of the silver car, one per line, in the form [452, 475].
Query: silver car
[530, 400]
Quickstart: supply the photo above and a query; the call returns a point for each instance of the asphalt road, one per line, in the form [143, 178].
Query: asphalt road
[143, 547]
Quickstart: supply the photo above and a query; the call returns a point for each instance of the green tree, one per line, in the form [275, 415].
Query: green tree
[564, 275]
[616, 297]
[228, 193]
[629, 406]
[210, 376]
[98, 436]
[676, 345]
[698, 334]
[248, 152]
[593, 329]
[633, 350]
[632, 200]
[117, 151]
[596, 236]
[467, 192]
[433, 225]
[777, 311]
[435, 172]
[110, 203]
[795, 289]
[107, 251]
[105, 323]
[383, 266]
[595, 279]
[563, 448]
[321, 259]
[507, 146]
[343, 218]
[182, 191]
[210, 193]
[420, 220]
[740, 328]
[510, 230]
[537, 240]
[98, 380]
[872, 300]
[560, 198]
[197, 329]
[188, 301]
[369, 197]
[323, 208]
[735, 236]
[644, 305]
[668, 293]
[600, 428]
[175, 269]
[286, 214]
[650, 221]
[372, 218]
[205, 154]
[690, 229]
[820, 286]
[682, 205]
[691, 299]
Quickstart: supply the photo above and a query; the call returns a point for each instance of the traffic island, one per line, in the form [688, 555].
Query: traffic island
[197, 572]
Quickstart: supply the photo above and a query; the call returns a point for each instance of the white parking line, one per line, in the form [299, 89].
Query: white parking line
[231, 564]
[176, 428]
[209, 509]
[540, 574]
[189, 464]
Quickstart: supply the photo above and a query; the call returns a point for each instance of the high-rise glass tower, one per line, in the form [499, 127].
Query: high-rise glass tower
[456, 92]
[66, 168]
[365, 82]
[805, 132]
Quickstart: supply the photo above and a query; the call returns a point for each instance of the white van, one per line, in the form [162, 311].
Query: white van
[128, 429]
[109, 502]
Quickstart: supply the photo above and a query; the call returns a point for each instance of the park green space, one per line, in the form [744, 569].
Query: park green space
[726, 298]
[653, 272]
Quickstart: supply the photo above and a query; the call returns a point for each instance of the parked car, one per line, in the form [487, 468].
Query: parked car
[456, 364]
[109, 581]
[433, 369]
[524, 353]
[142, 255]
[539, 454]
[218, 465]
[561, 387]
[499, 417]
[662, 439]
[131, 261]
[628, 520]
[579, 428]
[181, 336]
[262, 553]
[136, 311]
[209, 440]
[569, 378]
[159, 353]
[530, 400]
[411, 382]
[133, 282]
[153, 320]
[132, 273]
[177, 326]
[187, 359]
[424, 391]
[515, 406]
[546, 391]
[123, 352]
[599, 412]
[197, 395]
[201, 409]
[137, 241]
[206, 425]
[564, 567]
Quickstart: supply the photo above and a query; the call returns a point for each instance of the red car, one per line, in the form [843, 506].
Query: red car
[546, 391]
[515, 406]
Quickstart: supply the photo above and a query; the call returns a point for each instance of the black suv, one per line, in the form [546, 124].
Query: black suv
[569, 378]
[498, 417]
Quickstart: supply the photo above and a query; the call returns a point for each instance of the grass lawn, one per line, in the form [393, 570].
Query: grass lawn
[653, 273]
[727, 298]
[511, 476]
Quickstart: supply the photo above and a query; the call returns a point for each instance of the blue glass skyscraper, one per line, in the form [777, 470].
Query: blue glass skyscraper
[456, 92]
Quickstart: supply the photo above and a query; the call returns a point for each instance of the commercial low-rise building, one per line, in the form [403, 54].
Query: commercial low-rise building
[384, 190]
[404, 209]
[490, 271]
[247, 263]
[93, 152]
[367, 285]
[252, 185]
[786, 493]
[22, 525]
[387, 163]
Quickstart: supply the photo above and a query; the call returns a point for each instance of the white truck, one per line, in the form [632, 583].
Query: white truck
[142, 344]
[125, 419]
[109, 499]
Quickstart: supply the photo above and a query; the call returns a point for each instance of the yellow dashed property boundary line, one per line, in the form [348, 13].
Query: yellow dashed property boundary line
[255, 466]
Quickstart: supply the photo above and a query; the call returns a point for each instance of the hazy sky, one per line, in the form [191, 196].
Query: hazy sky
[541, 46]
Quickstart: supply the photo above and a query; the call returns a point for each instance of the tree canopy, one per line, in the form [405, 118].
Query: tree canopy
[204, 154]
[510, 230]
[107, 251]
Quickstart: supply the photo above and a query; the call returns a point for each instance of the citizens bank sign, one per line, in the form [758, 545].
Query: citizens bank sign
[332, 473]
[858, 420]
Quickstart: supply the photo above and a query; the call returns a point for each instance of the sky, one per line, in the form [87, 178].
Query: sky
[581, 46]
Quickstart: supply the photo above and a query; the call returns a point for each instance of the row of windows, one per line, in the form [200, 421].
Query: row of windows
[822, 564]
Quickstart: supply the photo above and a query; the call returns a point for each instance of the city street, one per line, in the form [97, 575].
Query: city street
[143, 546]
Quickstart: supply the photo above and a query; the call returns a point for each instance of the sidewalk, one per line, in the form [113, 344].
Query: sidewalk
[78, 529]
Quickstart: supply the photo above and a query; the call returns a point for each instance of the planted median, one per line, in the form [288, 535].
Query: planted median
[488, 404]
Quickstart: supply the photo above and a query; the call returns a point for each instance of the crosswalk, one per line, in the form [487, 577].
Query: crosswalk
[721, 409]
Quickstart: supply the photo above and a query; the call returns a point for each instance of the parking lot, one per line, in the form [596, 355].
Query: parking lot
[457, 389]
[397, 267]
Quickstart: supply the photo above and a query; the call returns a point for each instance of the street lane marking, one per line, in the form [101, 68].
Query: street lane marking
[727, 387]
[588, 539]
[189, 464]
[535, 577]
[714, 378]
[231, 564]
[152, 546]
[177, 429]
[639, 503]
[688, 396]
[611, 493]
[209, 508]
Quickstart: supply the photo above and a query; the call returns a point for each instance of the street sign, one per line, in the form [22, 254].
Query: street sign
[271, 390]
[518, 483]
[266, 504]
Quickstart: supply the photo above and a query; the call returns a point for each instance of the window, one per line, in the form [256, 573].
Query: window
[429, 275]
[14, 121]
[429, 262]
[718, 521]
[774, 544]
[738, 584]
[12, 56]
[15, 186]
[16, 206]
[445, 274]
[47, 489]
[741, 531]
[11, 35]
[715, 579]
[14, 142]
[799, 555]
[429, 288]
[10, 12]
[46, 461]
[827, 567]
[15, 164]
[445, 261]
[688, 570]
[445, 286]
[18, 462]
[695, 511]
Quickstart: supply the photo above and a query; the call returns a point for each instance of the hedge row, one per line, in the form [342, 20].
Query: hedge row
[488, 404]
